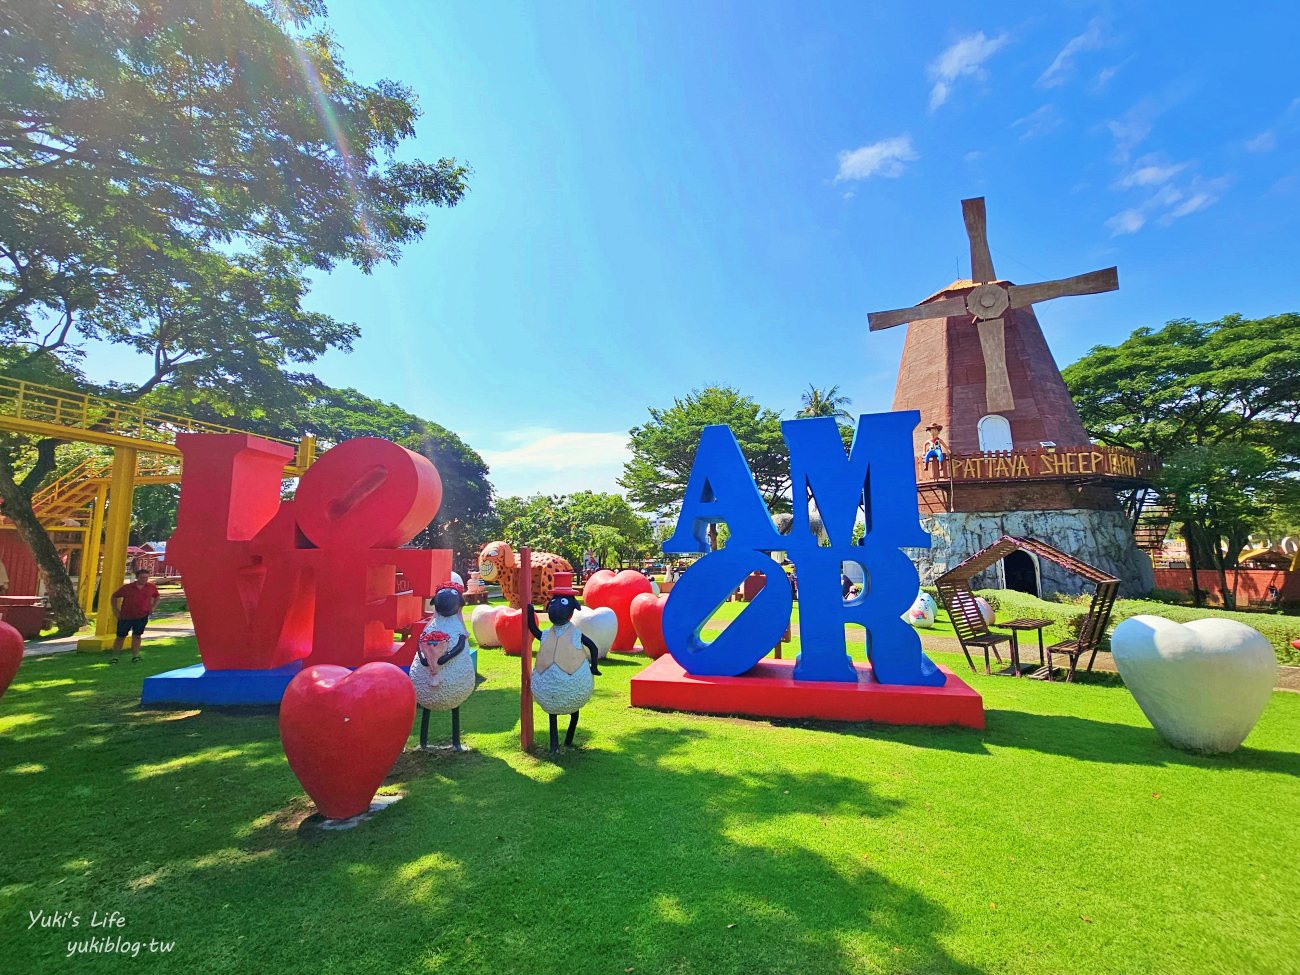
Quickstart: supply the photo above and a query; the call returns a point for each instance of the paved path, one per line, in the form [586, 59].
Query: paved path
[160, 628]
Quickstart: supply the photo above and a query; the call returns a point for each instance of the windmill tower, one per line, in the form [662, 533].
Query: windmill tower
[1020, 462]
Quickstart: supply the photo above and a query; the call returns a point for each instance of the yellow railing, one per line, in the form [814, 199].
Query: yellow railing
[32, 407]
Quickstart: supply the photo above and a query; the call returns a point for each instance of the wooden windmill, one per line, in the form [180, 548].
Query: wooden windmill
[975, 348]
[1020, 462]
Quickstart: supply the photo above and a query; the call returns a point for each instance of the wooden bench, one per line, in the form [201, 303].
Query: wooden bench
[968, 622]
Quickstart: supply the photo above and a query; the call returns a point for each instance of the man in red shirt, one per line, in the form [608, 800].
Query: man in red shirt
[132, 605]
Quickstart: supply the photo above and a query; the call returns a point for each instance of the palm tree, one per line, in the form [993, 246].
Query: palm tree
[825, 402]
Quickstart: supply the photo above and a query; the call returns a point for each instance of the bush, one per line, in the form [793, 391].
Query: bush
[1171, 596]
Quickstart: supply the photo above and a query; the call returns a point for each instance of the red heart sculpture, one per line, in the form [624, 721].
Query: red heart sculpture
[11, 654]
[648, 618]
[604, 588]
[343, 730]
[510, 631]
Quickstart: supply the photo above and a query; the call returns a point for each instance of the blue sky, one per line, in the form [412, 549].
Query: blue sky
[670, 195]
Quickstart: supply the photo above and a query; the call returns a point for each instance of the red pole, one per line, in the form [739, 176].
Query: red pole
[526, 658]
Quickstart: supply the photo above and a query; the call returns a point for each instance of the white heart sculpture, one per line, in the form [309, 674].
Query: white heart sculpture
[1202, 684]
[483, 621]
[600, 625]
[986, 609]
[923, 611]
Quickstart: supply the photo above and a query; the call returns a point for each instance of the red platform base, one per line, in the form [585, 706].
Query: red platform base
[770, 691]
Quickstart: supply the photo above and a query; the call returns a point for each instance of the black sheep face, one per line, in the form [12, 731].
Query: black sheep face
[448, 602]
[560, 609]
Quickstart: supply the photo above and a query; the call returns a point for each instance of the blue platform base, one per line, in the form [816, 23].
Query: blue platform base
[225, 688]
[228, 688]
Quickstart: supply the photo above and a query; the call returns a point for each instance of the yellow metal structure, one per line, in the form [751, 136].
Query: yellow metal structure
[131, 430]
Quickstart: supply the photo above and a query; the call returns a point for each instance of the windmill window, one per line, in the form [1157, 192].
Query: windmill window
[995, 432]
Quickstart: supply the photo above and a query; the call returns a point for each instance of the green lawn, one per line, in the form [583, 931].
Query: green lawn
[1066, 838]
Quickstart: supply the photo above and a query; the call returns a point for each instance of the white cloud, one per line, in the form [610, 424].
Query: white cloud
[1264, 142]
[1170, 203]
[964, 58]
[1059, 71]
[1132, 128]
[1040, 121]
[1150, 170]
[1105, 74]
[539, 460]
[1126, 222]
[884, 158]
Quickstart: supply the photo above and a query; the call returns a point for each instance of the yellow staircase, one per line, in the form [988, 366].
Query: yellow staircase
[68, 497]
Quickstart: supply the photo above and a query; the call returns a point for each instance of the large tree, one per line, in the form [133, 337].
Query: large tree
[570, 524]
[1220, 403]
[663, 448]
[170, 170]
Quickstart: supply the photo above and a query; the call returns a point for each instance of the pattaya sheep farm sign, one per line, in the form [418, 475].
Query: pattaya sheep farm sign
[1024, 465]
[728, 673]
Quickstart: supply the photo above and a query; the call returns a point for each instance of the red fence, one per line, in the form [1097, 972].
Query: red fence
[1252, 585]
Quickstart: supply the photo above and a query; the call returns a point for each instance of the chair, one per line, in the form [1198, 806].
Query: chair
[1091, 631]
[968, 622]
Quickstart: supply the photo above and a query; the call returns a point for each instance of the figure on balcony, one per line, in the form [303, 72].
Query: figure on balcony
[935, 450]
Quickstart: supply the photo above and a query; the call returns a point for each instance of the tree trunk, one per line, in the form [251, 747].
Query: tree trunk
[1189, 536]
[60, 592]
[1226, 595]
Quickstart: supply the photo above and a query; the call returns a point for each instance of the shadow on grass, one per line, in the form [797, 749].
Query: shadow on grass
[660, 851]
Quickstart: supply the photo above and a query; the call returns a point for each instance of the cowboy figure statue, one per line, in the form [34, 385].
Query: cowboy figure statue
[935, 450]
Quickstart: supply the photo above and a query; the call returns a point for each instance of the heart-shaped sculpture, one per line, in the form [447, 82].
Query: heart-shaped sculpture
[343, 730]
[616, 592]
[648, 618]
[986, 610]
[599, 625]
[483, 623]
[1202, 684]
[11, 654]
[511, 628]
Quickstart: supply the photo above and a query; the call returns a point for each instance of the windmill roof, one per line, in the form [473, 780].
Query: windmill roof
[961, 284]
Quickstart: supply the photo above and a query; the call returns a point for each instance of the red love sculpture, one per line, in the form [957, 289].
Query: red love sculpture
[343, 730]
[604, 588]
[648, 618]
[510, 631]
[11, 654]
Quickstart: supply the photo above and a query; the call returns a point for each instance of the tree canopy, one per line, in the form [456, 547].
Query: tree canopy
[1220, 402]
[170, 171]
[570, 524]
[663, 449]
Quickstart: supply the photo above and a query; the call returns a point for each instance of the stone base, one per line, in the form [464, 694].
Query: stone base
[316, 823]
[1101, 538]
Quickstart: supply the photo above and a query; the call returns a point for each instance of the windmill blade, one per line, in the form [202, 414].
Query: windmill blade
[931, 309]
[1094, 282]
[981, 261]
[997, 384]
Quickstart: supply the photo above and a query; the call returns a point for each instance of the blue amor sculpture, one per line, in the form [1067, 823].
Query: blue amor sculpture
[875, 477]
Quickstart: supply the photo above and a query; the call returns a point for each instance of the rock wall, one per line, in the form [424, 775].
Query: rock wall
[1100, 538]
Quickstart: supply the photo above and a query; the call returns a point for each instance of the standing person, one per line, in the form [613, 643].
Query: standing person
[132, 605]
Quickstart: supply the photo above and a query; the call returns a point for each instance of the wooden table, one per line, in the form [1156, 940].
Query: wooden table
[1027, 623]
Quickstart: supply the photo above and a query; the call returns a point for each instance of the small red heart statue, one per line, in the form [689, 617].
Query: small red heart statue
[343, 730]
[648, 618]
[11, 654]
[511, 629]
[604, 588]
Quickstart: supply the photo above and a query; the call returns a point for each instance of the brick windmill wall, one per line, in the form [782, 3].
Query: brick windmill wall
[944, 374]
